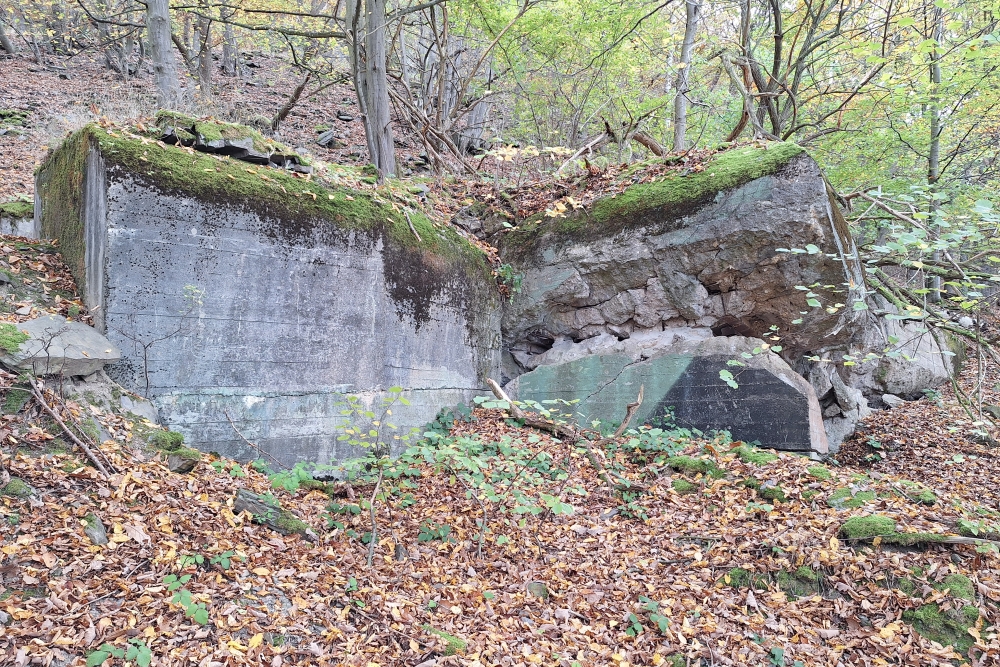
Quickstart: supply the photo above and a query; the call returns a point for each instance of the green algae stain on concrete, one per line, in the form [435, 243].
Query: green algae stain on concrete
[602, 384]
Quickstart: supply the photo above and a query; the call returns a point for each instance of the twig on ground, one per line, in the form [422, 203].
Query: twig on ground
[72, 436]
[410, 223]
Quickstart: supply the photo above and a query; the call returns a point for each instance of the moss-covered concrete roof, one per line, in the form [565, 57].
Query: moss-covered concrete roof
[670, 197]
[273, 192]
[16, 209]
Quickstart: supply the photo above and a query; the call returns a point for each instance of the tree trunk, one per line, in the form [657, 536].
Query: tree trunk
[366, 24]
[230, 51]
[5, 42]
[205, 56]
[934, 152]
[683, 81]
[162, 56]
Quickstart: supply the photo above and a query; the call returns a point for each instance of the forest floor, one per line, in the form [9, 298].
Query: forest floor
[733, 556]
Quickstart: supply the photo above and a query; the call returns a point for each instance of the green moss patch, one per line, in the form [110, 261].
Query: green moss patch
[186, 453]
[883, 527]
[845, 498]
[919, 493]
[772, 492]
[453, 645]
[754, 456]
[16, 488]
[11, 337]
[13, 117]
[665, 200]
[739, 577]
[167, 441]
[944, 627]
[958, 585]
[820, 472]
[14, 399]
[17, 209]
[861, 527]
[690, 465]
[684, 487]
[800, 583]
[288, 524]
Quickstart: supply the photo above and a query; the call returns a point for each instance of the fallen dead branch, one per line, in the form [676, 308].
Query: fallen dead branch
[72, 436]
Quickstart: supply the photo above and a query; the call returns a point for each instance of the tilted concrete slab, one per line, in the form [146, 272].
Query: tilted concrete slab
[680, 374]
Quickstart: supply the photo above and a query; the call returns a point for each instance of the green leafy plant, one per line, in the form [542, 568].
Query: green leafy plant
[233, 468]
[135, 651]
[196, 611]
[430, 531]
[509, 278]
[225, 559]
[650, 609]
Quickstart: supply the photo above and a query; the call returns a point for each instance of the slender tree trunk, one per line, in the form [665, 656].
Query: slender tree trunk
[5, 42]
[162, 56]
[366, 23]
[230, 51]
[934, 152]
[693, 9]
[205, 56]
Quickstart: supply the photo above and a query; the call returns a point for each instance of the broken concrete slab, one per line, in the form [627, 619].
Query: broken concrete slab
[771, 403]
[58, 346]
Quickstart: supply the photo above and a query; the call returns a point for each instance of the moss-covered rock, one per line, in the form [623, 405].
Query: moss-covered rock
[884, 528]
[167, 441]
[845, 498]
[676, 194]
[684, 487]
[862, 527]
[803, 581]
[453, 645]
[755, 456]
[17, 209]
[16, 488]
[740, 577]
[690, 465]
[944, 627]
[205, 131]
[772, 492]
[820, 472]
[11, 337]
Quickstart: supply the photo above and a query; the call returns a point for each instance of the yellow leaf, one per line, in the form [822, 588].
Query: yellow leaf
[261, 571]
[834, 544]
[877, 541]
[256, 640]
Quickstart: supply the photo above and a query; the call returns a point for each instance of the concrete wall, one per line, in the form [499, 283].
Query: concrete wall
[229, 313]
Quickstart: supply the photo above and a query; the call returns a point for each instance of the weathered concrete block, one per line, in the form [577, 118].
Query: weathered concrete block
[700, 250]
[57, 346]
[16, 219]
[262, 303]
[772, 403]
